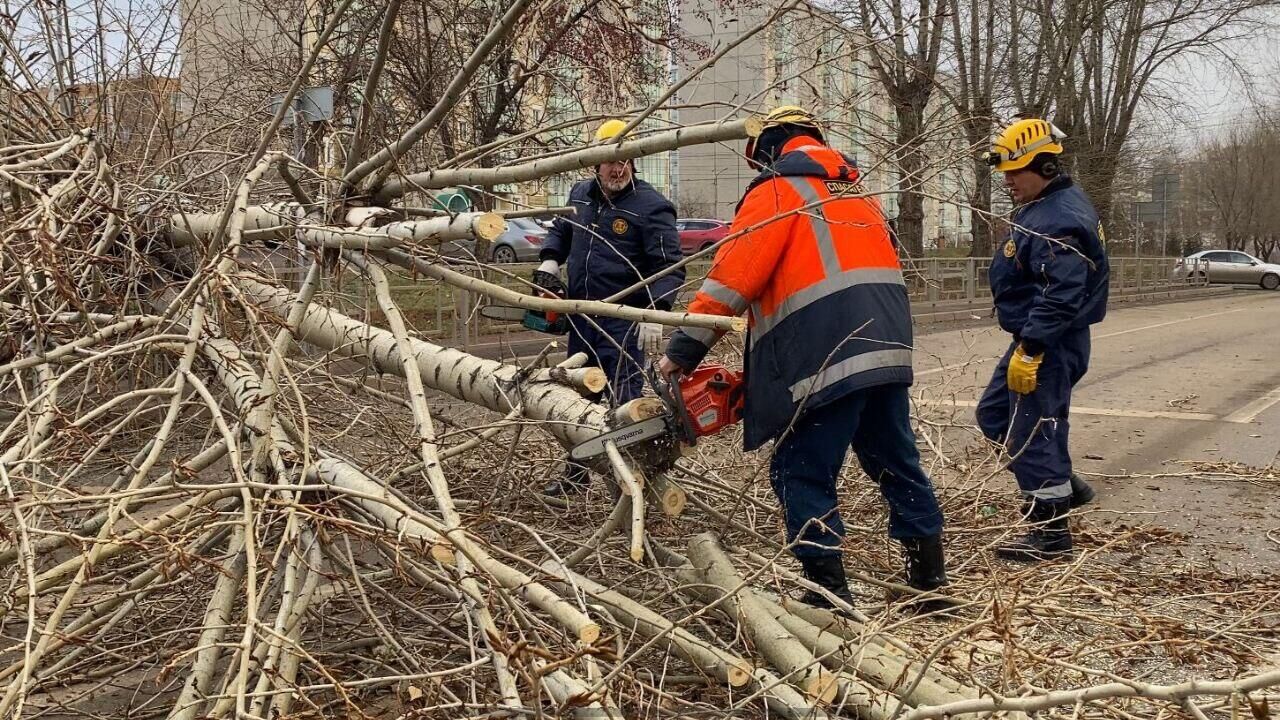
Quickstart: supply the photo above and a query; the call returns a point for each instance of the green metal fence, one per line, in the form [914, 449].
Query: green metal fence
[452, 316]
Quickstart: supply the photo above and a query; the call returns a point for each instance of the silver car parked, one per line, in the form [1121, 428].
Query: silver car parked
[1227, 266]
[520, 243]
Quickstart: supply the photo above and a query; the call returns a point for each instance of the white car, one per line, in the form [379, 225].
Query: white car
[1227, 266]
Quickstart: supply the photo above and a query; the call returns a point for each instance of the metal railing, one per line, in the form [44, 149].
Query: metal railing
[941, 280]
[451, 316]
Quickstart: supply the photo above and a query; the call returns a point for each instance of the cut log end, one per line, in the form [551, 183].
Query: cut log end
[637, 554]
[754, 126]
[594, 379]
[822, 686]
[739, 674]
[443, 554]
[673, 501]
[639, 409]
[667, 495]
[739, 324]
[489, 226]
[588, 634]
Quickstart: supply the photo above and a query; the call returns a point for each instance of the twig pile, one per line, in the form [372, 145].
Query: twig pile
[203, 519]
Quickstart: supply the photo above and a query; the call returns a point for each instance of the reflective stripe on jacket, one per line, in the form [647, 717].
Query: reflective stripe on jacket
[816, 270]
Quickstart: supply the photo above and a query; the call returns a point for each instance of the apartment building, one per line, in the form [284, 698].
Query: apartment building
[134, 117]
[810, 57]
[237, 53]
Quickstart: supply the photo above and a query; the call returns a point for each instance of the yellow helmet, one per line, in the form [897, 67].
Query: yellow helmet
[775, 118]
[1019, 144]
[609, 129]
[788, 115]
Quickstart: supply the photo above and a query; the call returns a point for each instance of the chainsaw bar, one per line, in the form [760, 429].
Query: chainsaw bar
[530, 319]
[503, 312]
[655, 427]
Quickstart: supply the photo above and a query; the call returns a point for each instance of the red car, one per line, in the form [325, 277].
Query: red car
[697, 234]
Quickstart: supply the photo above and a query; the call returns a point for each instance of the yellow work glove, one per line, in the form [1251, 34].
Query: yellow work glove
[1022, 371]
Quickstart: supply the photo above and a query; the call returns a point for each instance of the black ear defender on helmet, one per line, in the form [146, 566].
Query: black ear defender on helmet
[1046, 166]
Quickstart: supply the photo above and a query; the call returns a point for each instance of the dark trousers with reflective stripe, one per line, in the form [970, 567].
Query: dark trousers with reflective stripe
[612, 345]
[876, 423]
[1034, 428]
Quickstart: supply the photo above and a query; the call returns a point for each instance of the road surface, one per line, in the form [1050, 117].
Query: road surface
[1173, 391]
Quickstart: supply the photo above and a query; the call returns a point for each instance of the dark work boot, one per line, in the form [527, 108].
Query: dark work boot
[926, 568]
[1049, 537]
[827, 571]
[574, 482]
[1081, 491]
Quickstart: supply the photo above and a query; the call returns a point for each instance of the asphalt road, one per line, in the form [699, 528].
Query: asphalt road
[1174, 393]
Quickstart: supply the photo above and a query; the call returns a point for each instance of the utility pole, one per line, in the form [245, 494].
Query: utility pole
[673, 77]
[1137, 229]
[300, 125]
[1164, 212]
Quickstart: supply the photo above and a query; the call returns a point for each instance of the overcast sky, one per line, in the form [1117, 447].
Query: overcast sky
[1213, 99]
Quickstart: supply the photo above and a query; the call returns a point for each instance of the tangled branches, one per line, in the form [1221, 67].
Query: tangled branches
[204, 518]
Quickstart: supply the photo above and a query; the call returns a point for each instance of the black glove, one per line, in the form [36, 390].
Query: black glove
[550, 283]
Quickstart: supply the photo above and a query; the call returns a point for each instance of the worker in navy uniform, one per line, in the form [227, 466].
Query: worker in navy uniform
[1049, 280]
[622, 231]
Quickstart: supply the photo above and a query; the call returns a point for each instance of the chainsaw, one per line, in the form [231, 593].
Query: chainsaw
[550, 322]
[696, 405]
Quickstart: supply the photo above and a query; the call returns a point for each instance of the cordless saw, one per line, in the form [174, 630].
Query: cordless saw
[696, 405]
[550, 322]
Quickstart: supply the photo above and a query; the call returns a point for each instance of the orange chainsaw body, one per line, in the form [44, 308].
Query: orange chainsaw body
[712, 397]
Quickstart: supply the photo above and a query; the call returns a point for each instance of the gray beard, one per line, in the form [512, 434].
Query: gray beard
[613, 188]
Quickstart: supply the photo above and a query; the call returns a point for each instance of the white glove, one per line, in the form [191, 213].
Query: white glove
[650, 338]
[549, 266]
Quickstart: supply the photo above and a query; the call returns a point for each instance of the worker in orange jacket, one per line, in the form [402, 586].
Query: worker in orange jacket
[828, 352]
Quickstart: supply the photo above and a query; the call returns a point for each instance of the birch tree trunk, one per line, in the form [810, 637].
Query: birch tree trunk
[488, 383]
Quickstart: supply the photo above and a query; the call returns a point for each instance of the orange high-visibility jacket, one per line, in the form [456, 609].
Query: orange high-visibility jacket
[812, 263]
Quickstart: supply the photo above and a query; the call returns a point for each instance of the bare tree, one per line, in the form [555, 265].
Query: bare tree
[588, 52]
[906, 44]
[979, 32]
[1092, 65]
[1238, 182]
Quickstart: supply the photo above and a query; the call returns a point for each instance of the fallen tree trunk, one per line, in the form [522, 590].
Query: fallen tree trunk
[507, 296]
[588, 157]
[464, 226]
[271, 221]
[889, 648]
[702, 654]
[278, 222]
[788, 655]
[488, 383]
[867, 660]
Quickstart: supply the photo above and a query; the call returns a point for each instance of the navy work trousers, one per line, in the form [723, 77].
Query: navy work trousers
[612, 345]
[876, 423]
[1033, 428]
